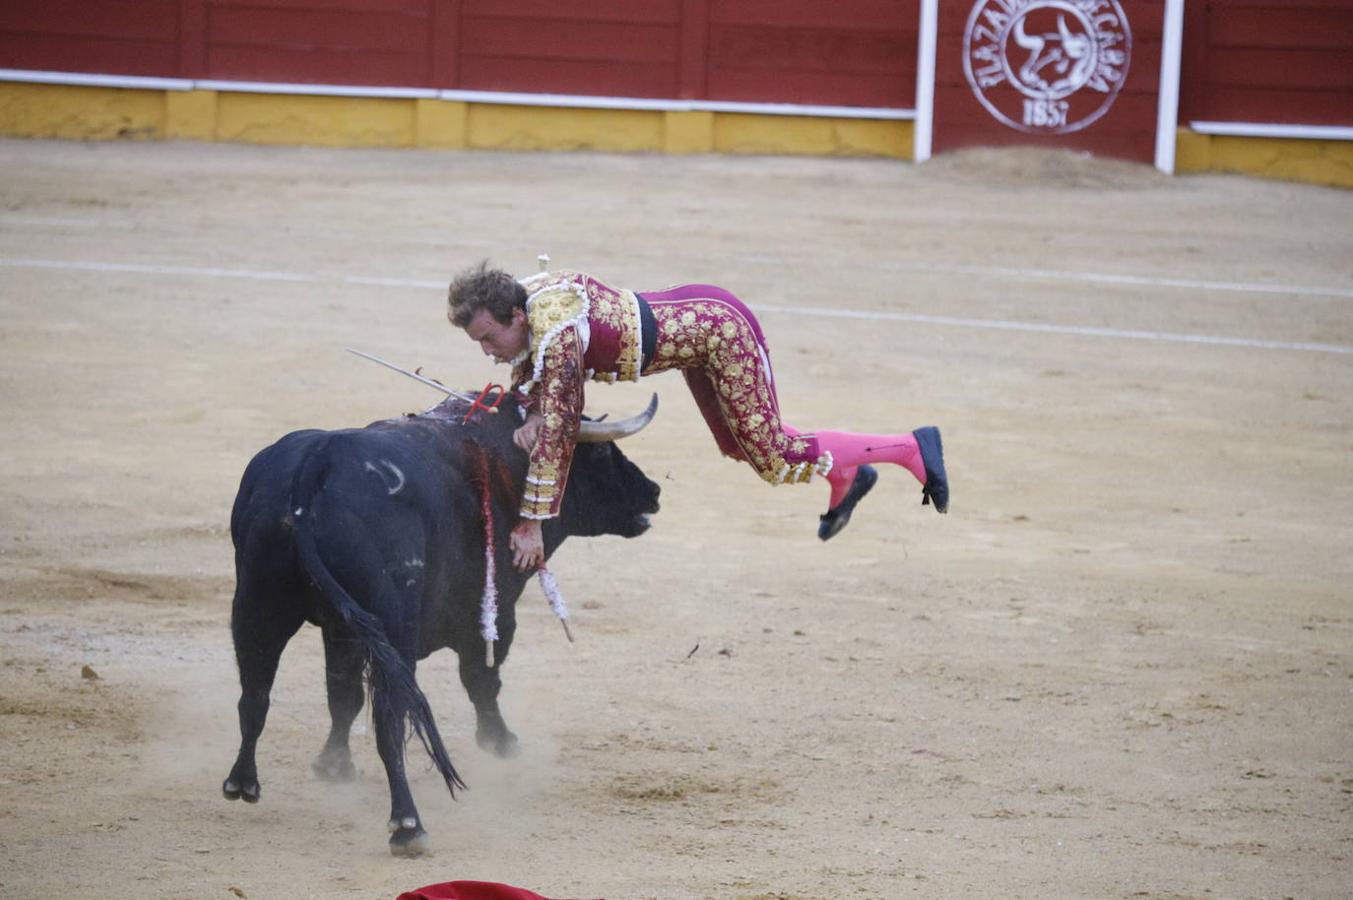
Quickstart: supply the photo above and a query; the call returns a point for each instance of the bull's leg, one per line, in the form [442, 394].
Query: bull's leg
[261, 631]
[483, 684]
[407, 837]
[343, 678]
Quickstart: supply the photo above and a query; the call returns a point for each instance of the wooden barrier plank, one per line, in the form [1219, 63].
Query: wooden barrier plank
[107, 56]
[317, 29]
[870, 14]
[601, 41]
[1284, 68]
[314, 66]
[650, 11]
[567, 76]
[886, 91]
[1297, 28]
[138, 20]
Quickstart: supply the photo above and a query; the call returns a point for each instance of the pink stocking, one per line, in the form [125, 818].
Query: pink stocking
[850, 450]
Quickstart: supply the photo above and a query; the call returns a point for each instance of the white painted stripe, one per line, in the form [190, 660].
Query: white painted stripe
[376, 281]
[8, 219]
[87, 79]
[509, 98]
[146, 269]
[316, 90]
[1251, 287]
[1261, 129]
[1042, 328]
[1192, 284]
[1167, 102]
[1247, 287]
[925, 80]
[512, 98]
[815, 311]
[804, 109]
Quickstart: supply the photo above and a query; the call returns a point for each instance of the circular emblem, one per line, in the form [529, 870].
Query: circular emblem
[1047, 66]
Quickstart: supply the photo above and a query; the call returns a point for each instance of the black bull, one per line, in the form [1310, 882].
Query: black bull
[377, 536]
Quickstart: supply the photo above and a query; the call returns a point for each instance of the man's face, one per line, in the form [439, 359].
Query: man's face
[502, 342]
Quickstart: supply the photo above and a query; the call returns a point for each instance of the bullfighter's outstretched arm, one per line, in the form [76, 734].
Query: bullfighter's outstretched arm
[558, 398]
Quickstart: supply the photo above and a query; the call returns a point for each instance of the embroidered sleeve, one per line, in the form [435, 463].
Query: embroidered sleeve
[559, 400]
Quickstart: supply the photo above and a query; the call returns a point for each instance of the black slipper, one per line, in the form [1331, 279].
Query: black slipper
[936, 488]
[833, 520]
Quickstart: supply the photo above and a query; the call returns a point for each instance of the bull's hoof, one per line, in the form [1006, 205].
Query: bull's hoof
[408, 839]
[248, 791]
[502, 744]
[334, 765]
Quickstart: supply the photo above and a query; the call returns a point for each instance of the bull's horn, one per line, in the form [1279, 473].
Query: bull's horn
[596, 432]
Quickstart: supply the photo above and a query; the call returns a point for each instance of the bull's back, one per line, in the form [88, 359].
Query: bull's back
[265, 488]
[386, 500]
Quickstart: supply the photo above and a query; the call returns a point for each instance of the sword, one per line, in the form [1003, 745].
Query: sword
[415, 376]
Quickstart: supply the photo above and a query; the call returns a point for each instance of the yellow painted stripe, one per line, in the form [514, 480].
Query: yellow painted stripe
[1291, 159]
[83, 112]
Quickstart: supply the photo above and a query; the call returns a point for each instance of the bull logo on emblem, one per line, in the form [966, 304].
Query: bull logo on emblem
[1046, 66]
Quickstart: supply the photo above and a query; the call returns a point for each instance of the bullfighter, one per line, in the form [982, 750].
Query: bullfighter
[559, 329]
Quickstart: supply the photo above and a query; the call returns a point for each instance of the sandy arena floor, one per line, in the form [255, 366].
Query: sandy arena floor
[1122, 666]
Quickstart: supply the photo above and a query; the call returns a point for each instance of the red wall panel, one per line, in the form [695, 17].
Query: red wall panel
[331, 30]
[133, 37]
[444, 36]
[150, 20]
[361, 42]
[860, 53]
[581, 77]
[868, 14]
[396, 7]
[816, 51]
[93, 55]
[1301, 70]
[313, 66]
[1266, 27]
[813, 88]
[1268, 61]
[590, 47]
[545, 11]
[603, 41]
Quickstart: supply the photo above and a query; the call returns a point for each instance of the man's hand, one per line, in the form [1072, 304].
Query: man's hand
[526, 436]
[528, 547]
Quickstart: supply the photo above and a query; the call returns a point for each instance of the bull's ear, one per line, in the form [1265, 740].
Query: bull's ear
[596, 432]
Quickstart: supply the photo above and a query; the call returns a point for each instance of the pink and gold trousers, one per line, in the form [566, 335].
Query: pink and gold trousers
[717, 343]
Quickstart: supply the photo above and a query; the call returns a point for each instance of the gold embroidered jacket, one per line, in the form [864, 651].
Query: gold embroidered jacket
[580, 328]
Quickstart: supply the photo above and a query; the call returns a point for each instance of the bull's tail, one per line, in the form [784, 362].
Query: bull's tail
[390, 674]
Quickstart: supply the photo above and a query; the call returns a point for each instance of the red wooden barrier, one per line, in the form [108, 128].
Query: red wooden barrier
[365, 42]
[132, 37]
[1268, 61]
[861, 53]
[599, 47]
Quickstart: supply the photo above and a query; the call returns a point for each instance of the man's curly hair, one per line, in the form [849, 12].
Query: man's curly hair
[483, 287]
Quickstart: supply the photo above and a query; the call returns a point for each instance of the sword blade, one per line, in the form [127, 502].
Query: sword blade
[414, 375]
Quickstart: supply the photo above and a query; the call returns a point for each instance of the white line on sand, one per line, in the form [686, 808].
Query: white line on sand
[814, 311]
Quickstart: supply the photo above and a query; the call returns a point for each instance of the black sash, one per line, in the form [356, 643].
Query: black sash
[648, 330]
